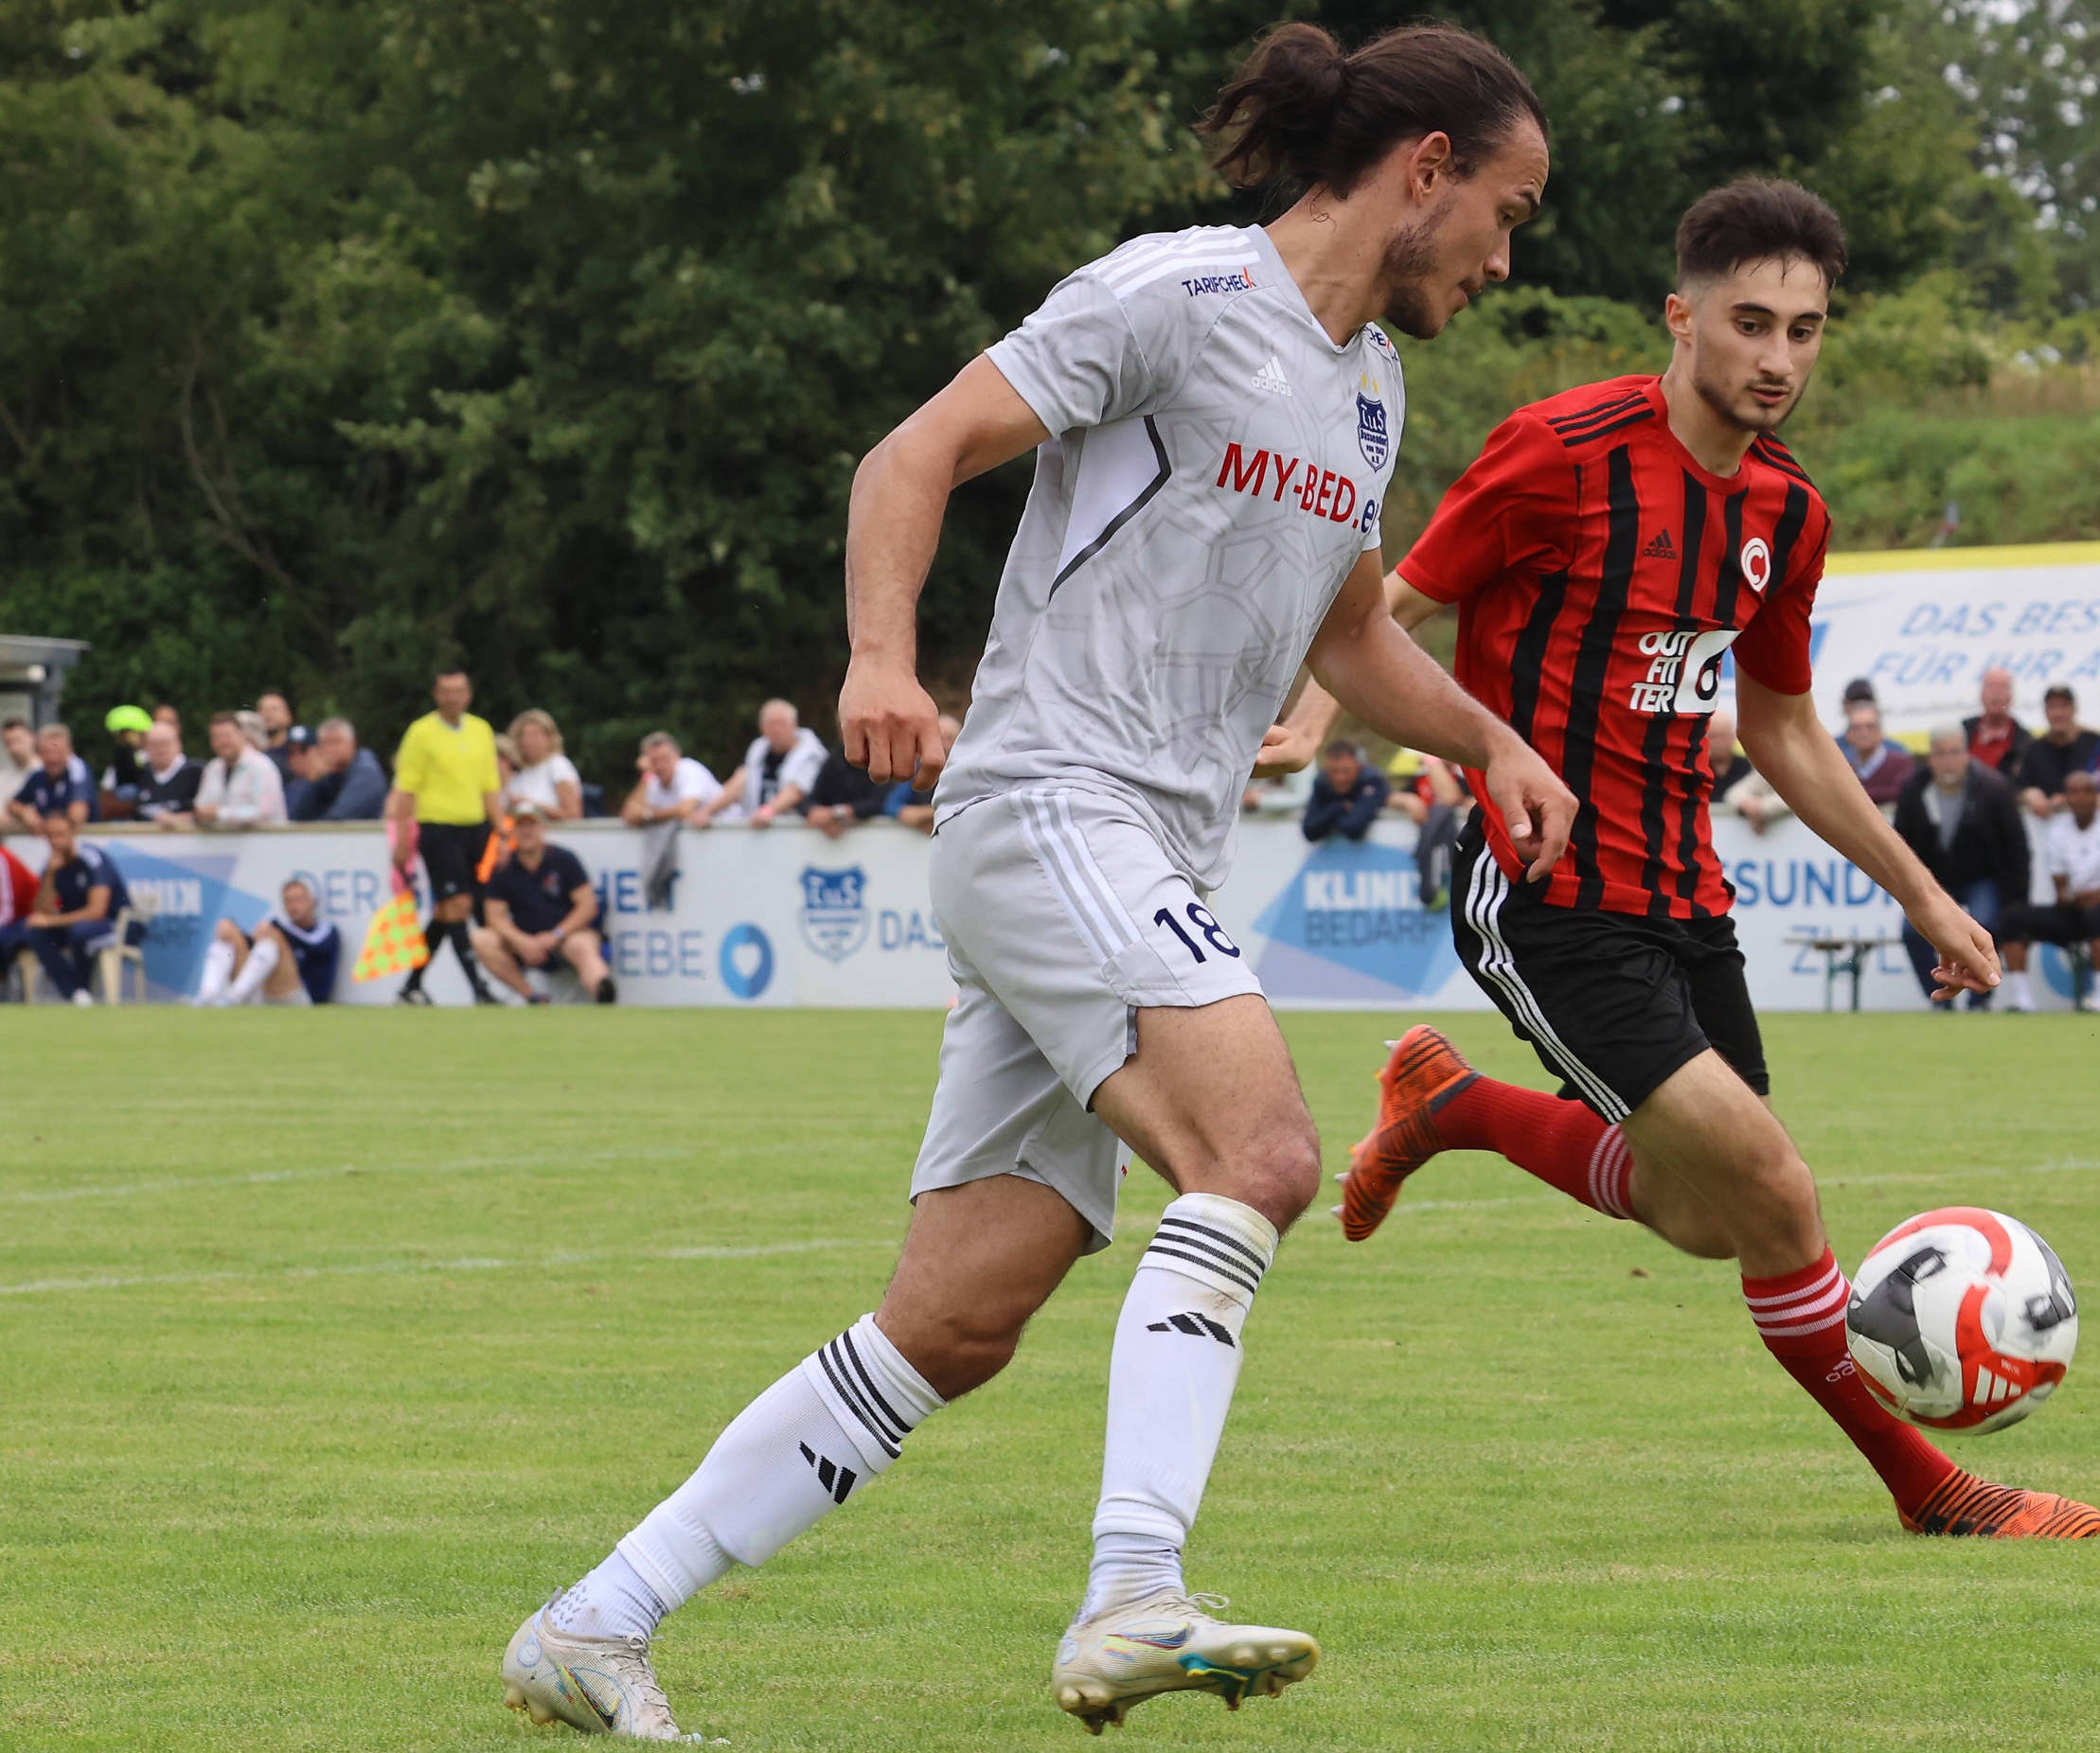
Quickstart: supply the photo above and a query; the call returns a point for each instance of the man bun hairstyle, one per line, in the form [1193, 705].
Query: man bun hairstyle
[1301, 113]
[1758, 219]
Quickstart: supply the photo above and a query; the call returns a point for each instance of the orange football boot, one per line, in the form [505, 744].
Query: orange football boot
[1965, 1504]
[1424, 1073]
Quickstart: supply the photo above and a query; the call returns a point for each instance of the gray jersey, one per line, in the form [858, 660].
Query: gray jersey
[1215, 469]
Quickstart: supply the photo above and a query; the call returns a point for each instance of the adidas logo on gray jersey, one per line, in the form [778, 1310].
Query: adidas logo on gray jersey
[1270, 378]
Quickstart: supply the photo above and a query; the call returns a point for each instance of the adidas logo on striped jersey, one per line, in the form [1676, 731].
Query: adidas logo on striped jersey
[1195, 1326]
[1270, 378]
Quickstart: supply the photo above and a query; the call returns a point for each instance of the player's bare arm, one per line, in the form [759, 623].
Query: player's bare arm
[1365, 662]
[1296, 740]
[1788, 744]
[889, 722]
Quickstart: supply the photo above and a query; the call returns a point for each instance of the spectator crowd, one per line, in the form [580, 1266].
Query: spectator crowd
[477, 808]
[473, 807]
[1959, 804]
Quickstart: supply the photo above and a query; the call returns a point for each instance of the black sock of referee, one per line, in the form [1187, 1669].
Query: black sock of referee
[463, 947]
[434, 934]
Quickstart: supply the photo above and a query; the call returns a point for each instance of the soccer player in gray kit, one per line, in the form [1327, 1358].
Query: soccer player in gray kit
[1214, 414]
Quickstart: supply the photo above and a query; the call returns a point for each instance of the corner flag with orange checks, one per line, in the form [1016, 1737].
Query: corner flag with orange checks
[394, 945]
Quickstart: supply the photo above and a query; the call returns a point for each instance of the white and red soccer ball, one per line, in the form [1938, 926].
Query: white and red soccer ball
[1962, 1320]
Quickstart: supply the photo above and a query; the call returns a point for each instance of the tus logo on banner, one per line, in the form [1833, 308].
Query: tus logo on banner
[834, 911]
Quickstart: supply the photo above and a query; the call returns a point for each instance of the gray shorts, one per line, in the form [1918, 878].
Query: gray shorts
[1064, 917]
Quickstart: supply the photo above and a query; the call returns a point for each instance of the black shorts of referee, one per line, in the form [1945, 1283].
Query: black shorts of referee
[1613, 1003]
[452, 857]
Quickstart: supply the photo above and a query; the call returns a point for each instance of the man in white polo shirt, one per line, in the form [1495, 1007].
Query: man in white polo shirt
[240, 788]
[2073, 862]
[672, 786]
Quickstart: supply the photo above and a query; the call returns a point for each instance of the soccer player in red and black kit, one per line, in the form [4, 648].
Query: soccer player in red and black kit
[1608, 548]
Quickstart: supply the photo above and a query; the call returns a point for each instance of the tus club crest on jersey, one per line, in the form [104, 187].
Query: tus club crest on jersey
[834, 911]
[1373, 437]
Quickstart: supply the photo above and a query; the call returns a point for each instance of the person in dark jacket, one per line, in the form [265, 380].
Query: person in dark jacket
[169, 781]
[347, 784]
[1995, 736]
[842, 796]
[1963, 822]
[1347, 795]
[1884, 768]
[2065, 747]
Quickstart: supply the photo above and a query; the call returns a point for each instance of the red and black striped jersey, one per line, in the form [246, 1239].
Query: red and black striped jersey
[1603, 577]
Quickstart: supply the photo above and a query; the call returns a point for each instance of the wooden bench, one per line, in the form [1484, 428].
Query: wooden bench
[1841, 955]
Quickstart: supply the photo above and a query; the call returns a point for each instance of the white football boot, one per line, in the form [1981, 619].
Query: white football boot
[1171, 1643]
[603, 1686]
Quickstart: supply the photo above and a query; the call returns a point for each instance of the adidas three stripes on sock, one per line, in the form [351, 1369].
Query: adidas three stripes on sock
[1171, 1377]
[805, 1445]
[787, 1460]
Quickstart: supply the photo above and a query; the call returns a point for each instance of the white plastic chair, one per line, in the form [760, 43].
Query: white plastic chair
[121, 953]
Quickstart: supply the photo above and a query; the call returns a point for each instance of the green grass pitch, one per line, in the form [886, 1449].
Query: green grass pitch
[334, 1342]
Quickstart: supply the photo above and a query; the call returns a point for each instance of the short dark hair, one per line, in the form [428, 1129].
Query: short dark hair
[451, 669]
[1755, 219]
[14, 724]
[1341, 745]
[1301, 111]
[2059, 691]
[227, 717]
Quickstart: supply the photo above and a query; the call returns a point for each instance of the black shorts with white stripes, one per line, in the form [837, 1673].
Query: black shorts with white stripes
[1613, 1003]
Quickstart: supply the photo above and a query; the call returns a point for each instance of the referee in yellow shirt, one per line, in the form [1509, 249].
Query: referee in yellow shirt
[445, 782]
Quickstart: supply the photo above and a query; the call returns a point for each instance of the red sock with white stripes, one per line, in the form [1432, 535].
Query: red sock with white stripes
[1801, 1318]
[1561, 1142]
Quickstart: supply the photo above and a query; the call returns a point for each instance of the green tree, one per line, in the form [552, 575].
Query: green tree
[2031, 74]
[353, 336]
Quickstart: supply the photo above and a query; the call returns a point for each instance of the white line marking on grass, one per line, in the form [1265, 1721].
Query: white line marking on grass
[1479, 1205]
[2062, 1165]
[471, 1264]
[264, 1178]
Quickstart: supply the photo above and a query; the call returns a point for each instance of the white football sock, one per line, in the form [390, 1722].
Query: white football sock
[2017, 988]
[218, 970]
[785, 1462]
[611, 1601]
[260, 965]
[1170, 1384]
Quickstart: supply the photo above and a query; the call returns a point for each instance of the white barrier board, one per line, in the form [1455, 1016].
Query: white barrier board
[784, 916]
[1923, 626]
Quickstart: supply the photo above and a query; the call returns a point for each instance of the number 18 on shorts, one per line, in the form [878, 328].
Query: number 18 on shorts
[1064, 917]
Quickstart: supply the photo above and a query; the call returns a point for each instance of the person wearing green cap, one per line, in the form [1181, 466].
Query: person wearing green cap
[121, 778]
